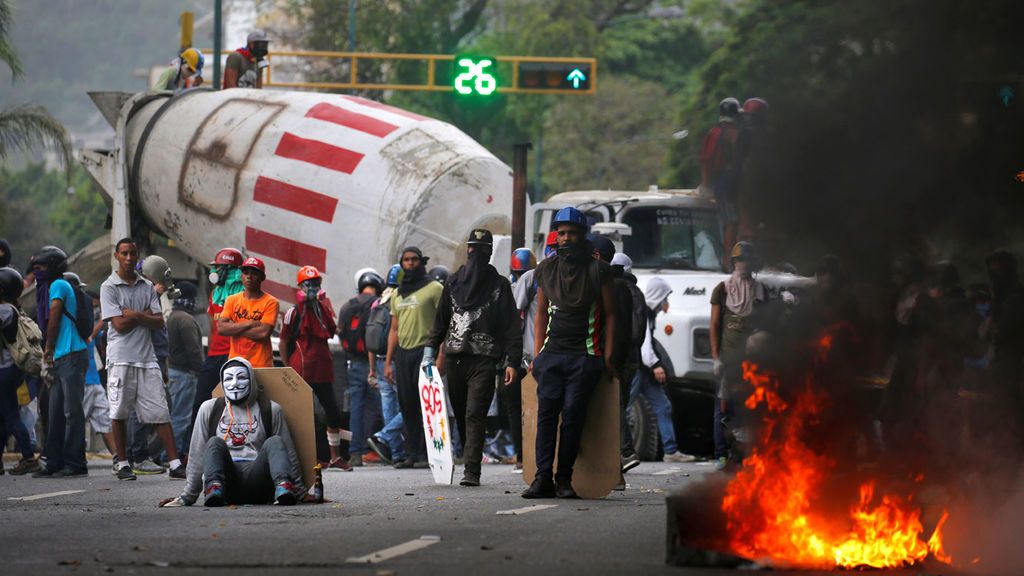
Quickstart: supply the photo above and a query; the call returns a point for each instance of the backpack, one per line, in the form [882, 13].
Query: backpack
[83, 318]
[266, 417]
[27, 347]
[717, 150]
[378, 324]
[352, 325]
[639, 315]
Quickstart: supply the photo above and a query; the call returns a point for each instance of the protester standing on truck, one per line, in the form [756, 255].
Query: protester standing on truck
[478, 325]
[226, 278]
[249, 316]
[719, 167]
[574, 345]
[412, 315]
[244, 66]
[184, 72]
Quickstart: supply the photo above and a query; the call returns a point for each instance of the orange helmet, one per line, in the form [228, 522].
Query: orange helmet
[307, 273]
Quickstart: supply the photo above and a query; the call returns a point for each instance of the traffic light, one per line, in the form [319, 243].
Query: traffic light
[555, 76]
[475, 75]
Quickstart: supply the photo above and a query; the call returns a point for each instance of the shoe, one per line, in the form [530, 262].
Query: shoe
[621, 486]
[284, 494]
[518, 468]
[459, 461]
[678, 457]
[470, 479]
[721, 463]
[380, 448]
[404, 464]
[564, 490]
[147, 466]
[126, 473]
[629, 462]
[541, 488]
[356, 461]
[214, 495]
[371, 458]
[26, 466]
[421, 464]
[46, 473]
[339, 464]
[113, 467]
[178, 473]
[71, 473]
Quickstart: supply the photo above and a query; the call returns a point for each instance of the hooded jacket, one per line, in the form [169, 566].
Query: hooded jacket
[492, 329]
[244, 431]
[656, 293]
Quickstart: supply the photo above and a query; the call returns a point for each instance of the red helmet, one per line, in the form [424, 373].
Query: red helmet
[307, 273]
[256, 263]
[755, 106]
[552, 239]
[229, 257]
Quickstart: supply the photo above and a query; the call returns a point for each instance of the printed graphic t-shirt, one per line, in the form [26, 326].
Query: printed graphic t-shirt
[238, 308]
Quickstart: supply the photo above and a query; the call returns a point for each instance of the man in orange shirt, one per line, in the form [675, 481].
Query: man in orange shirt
[248, 317]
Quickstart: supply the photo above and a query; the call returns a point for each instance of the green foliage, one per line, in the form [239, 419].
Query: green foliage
[8, 55]
[27, 128]
[37, 210]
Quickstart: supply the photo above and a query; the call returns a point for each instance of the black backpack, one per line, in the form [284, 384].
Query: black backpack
[378, 324]
[352, 324]
[639, 315]
[266, 417]
[83, 318]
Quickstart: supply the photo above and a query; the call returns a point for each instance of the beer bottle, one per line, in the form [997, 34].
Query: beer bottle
[318, 486]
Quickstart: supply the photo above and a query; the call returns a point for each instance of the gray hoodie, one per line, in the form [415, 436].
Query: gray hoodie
[246, 436]
[655, 294]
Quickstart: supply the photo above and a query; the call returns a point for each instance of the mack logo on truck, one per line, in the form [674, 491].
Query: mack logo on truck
[691, 291]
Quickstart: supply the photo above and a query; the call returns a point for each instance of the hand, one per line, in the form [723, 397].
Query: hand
[129, 314]
[717, 368]
[175, 502]
[197, 81]
[510, 376]
[659, 375]
[371, 378]
[440, 365]
[48, 356]
[389, 373]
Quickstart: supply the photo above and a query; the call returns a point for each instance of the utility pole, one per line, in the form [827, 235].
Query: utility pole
[519, 174]
[217, 39]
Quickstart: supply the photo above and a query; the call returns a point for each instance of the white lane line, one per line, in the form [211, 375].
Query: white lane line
[672, 470]
[526, 510]
[395, 551]
[47, 495]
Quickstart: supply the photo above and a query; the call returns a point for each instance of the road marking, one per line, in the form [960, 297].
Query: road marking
[47, 495]
[526, 510]
[395, 551]
[672, 470]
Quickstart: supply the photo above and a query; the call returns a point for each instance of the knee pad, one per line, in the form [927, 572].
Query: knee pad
[333, 438]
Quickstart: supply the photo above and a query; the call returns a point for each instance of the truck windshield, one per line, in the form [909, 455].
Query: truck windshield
[673, 238]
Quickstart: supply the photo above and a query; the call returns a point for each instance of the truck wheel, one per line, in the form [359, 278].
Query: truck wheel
[644, 425]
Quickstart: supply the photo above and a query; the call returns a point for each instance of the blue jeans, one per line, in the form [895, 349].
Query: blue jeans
[10, 414]
[65, 434]
[183, 392]
[358, 372]
[644, 383]
[391, 433]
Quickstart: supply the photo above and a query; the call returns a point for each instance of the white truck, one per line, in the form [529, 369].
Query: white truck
[674, 234]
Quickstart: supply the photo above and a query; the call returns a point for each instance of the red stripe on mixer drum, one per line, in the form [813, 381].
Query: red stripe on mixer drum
[319, 153]
[279, 291]
[350, 119]
[285, 249]
[385, 107]
[294, 199]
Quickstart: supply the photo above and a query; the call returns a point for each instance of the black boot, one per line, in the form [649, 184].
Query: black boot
[563, 489]
[541, 488]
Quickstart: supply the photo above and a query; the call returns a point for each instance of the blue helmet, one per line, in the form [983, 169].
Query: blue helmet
[523, 260]
[395, 275]
[570, 215]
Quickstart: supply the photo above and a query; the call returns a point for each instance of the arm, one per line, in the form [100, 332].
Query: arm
[540, 323]
[716, 331]
[608, 301]
[194, 345]
[442, 319]
[231, 71]
[151, 320]
[262, 329]
[228, 328]
[53, 327]
[513, 333]
[392, 344]
[286, 333]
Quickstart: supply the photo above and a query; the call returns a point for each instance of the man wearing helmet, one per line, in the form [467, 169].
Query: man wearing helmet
[352, 320]
[184, 72]
[244, 66]
[524, 290]
[226, 279]
[249, 317]
[573, 345]
[386, 442]
[11, 376]
[734, 303]
[719, 167]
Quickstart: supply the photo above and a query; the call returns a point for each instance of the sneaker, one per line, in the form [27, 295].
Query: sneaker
[380, 448]
[371, 458]
[284, 494]
[564, 489]
[339, 464]
[721, 463]
[214, 496]
[678, 457]
[470, 479]
[113, 467]
[147, 466]
[629, 462]
[71, 473]
[421, 464]
[178, 473]
[126, 473]
[46, 473]
[518, 468]
[356, 461]
[404, 464]
[26, 466]
[541, 488]
[621, 486]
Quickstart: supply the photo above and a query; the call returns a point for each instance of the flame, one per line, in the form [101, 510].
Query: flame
[773, 506]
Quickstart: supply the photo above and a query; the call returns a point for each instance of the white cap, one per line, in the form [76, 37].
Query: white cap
[361, 271]
[620, 259]
[257, 36]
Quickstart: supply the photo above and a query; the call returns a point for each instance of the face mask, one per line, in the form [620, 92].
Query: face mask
[572, 251]
[42, 275]
[742, 268]
[310, 289]
[216, 274]
[236, 383]
[259, 51]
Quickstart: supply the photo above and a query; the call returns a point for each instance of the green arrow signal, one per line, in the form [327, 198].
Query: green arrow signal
[576, 76]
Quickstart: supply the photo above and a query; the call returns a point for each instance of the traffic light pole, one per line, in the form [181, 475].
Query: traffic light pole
[217, 25]
[519, 172]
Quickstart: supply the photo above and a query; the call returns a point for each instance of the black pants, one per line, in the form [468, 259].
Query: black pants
[324, 392]
[247, 482]
[565, 383]
[512, 396]
[471, 387]
[626, 374]
[407, 374]
[209, 377]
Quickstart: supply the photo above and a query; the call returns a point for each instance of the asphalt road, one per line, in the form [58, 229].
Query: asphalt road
[99, 525]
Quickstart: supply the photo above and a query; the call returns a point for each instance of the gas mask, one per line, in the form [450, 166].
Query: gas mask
[259, 50]
[310, 289]
[237, 382]
[158, 271]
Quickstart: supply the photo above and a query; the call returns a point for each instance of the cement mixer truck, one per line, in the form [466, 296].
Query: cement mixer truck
[295, 178]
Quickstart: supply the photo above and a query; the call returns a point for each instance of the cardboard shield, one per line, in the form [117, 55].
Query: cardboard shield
[293, 394]
[597, 469]
[436, 429]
